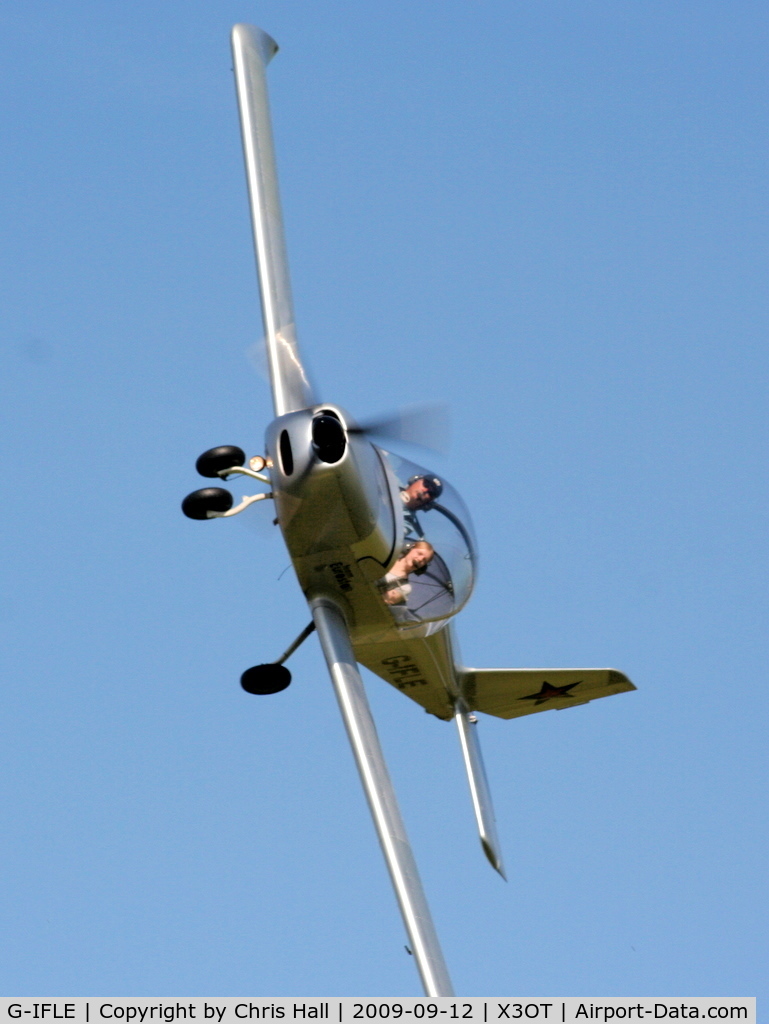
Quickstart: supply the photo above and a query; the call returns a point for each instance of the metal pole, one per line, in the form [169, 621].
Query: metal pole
[335, 641]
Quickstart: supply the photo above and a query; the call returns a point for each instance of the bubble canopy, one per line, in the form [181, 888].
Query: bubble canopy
[434, 577]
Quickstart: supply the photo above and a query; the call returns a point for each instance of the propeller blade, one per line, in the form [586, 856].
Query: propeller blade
[425, 426]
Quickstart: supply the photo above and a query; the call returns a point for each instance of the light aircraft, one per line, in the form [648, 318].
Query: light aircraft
[383, 550]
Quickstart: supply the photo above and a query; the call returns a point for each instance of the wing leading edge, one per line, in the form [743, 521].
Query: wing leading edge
[252, 49]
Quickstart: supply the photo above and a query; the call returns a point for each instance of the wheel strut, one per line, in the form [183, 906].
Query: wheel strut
[274, 676]
[297, 643]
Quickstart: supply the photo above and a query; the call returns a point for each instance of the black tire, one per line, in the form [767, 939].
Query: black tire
[264, 679]
[212, 462]
[208, 499]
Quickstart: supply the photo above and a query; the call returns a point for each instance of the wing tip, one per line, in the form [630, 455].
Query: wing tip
[252, 36]
[620, 679]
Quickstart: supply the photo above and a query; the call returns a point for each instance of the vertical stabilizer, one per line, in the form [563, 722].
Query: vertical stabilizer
[479, 787]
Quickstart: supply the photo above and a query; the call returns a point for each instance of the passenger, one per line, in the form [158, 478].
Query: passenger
[395, 587]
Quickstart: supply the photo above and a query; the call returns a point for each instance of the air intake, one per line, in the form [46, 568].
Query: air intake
[328, 438]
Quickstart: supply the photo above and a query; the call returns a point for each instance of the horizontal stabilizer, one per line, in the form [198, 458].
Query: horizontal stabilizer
[512, 692]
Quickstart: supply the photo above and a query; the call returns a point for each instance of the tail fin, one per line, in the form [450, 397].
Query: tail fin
[479, 788]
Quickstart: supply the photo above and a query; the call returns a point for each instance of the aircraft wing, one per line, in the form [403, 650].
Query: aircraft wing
[252, 49]
[512, 692]
[334, 637]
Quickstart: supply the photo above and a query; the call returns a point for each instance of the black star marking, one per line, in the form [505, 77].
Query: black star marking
[549, 692]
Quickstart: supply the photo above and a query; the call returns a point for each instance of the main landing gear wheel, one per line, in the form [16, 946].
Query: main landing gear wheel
[264, 679]
[212, 462]
[208, 499]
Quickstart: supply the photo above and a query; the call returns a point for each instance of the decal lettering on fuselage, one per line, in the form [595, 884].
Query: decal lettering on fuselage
[403, 671]
[342, 573]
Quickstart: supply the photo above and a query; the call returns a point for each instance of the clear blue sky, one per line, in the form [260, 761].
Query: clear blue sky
[552, 215]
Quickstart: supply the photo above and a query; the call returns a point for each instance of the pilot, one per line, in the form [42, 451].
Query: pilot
[419, 493]
[395, 587]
